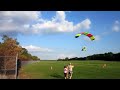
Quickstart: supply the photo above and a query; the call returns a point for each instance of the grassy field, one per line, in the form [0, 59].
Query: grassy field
[81, 70]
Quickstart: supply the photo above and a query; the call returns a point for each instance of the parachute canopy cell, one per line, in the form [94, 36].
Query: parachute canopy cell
[86, 34]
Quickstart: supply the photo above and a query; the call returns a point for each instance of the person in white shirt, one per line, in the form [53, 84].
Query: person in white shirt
[70, 70]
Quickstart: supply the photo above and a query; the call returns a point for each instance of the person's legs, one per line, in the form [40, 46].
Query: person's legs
[17, 73]
[70, 75]
[65, 75]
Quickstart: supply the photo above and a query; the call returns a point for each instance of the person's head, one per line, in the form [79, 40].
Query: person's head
[18, 58]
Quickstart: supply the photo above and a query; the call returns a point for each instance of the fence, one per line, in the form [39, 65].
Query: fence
[8, 67]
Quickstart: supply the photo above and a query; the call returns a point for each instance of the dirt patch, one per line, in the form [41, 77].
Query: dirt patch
[23, 75]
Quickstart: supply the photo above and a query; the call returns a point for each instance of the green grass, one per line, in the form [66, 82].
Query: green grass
[81, 70]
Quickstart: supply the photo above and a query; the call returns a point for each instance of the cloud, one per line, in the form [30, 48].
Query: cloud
[106, 33]
[85, 24]
[17, 21]
[53, 55]
[117, 22]
[97, 37]
[59, 24]
[19, 16]
[31, 22]
[62, 56]
[60, 16]
[116, 26]
[32, 48]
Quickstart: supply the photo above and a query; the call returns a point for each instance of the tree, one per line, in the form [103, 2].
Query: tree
[66, 59]
[11, 47]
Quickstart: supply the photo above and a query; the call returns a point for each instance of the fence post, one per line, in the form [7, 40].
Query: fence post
[16, 66]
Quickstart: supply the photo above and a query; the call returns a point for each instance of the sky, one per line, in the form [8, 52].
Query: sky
[51, 34]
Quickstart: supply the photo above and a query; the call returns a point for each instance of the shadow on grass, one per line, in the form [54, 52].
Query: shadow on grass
[56, 75]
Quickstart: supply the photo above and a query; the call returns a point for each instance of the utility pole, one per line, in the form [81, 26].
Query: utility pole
[16, 67]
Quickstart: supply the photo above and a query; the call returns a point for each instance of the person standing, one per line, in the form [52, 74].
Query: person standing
[65, 72]
[18, 66]
[70, 70]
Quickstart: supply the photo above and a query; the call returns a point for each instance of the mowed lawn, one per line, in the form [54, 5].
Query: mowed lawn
[82, 69]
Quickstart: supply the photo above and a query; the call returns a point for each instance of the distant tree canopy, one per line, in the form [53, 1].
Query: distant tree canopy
[106, 57]
[11, 47]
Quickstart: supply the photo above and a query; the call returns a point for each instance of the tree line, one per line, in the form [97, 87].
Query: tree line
[109, 56]
[11, 47]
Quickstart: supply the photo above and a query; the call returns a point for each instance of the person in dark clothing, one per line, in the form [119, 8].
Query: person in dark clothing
[18, 66]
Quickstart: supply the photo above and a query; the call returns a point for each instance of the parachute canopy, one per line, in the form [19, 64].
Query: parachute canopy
[86, 34]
